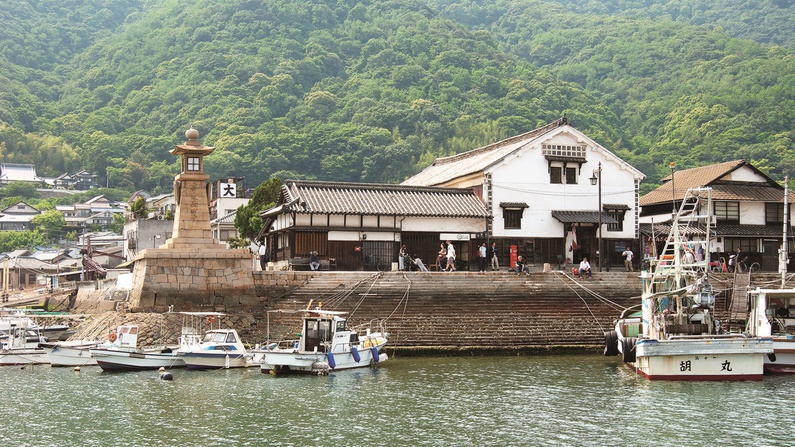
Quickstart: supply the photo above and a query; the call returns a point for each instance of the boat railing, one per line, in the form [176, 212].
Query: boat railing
[696, 337]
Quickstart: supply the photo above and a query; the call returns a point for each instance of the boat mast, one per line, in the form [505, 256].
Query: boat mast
[784, 255]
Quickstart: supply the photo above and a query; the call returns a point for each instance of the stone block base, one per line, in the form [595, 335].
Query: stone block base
[193, 278]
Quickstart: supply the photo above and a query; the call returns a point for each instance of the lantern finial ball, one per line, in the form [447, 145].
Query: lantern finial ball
[192, 134]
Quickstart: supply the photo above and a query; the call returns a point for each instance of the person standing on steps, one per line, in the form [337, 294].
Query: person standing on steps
[402, 258]
[495, 262]
[441, 258]
[262, 255]
[482, 257]
[627, 258]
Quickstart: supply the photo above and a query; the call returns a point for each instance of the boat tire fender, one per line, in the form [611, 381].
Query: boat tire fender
[376, 358]
[611, 343]
[355, 354]
[772, 357]
[331, 362]
[628, 348]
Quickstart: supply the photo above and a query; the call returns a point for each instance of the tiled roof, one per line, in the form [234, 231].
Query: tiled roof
[711, 176]
[312, 197]
[747, 193]
[583, 217]
[229, 218]
[18, 172]
[661, 230]
[447, 168]
[514, 205]
[774, 231]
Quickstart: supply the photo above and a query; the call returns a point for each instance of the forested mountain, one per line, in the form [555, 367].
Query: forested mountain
[373, 91]
[687, 94]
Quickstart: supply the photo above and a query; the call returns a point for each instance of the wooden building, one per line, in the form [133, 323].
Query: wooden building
[361, 226]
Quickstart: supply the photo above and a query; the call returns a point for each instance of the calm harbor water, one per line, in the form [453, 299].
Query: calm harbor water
[517, 401]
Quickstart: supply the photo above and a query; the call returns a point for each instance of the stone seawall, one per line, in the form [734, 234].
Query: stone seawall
[424, 313]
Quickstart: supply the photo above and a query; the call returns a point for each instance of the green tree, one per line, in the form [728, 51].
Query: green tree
[22, 190]
[17, 240]
[117, 226]
[247, 220]
[50, 224]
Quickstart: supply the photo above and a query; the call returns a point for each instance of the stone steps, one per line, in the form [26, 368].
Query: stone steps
[469, 308]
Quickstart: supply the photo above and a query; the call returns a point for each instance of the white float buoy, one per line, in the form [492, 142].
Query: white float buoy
[77, 369]
[162, 368]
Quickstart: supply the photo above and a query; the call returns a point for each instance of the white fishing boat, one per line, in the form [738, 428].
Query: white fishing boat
[13, 318]
[19, 349]
[70, 353]
[676, 336]
[218, 348]
[771, 311]
[326, 344]
[122, 354]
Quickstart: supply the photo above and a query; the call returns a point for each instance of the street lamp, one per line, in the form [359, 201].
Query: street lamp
[154, 240]
[596, 178]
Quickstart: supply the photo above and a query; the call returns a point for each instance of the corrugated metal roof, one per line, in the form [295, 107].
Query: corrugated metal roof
[313, 197]
[583, 217]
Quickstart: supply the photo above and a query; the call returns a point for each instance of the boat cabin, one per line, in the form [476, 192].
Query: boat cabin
[221, 340]
[322, 330]
[772, 312]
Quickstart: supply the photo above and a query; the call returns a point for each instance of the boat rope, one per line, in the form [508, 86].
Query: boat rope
[375, 278]
[583, 299]
[337, 298]
[612, 304]
[405, 301]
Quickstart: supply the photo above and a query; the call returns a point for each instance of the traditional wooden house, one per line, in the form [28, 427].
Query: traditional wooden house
[748, 207]
[544, 189]
[361, 226]
[18, 217]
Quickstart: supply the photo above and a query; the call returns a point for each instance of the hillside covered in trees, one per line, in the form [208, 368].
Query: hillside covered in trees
[374, 91]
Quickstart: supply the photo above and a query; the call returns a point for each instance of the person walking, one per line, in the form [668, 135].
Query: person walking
[627, 254]
[482, 257]
[402, 258]
[450, 257]
[495, 262]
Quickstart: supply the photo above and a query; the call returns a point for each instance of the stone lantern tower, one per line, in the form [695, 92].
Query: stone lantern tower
[192, 271]
[192, 217]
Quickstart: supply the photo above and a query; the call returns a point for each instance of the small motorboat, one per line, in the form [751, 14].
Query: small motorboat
[217, 349]
[326, 344]
[20, 347]
[121, 353]
[70, 353]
